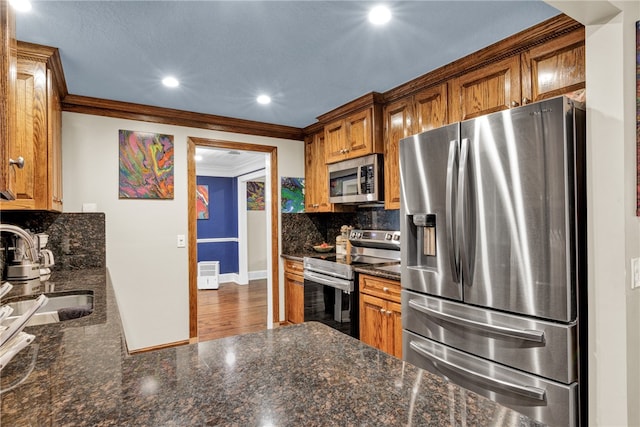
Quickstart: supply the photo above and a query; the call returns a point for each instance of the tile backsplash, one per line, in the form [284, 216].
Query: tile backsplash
[77, 240]
[300, 231]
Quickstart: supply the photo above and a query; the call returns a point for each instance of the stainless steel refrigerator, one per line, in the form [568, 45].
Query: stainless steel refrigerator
[493, 257]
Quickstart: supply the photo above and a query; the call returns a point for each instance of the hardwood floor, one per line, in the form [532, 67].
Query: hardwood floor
[232, 309]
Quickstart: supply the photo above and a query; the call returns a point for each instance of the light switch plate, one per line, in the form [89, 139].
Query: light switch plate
[635, 273]
[182, 241]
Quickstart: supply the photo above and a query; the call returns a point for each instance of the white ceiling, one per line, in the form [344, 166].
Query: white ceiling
[228, 163]
[310, 56]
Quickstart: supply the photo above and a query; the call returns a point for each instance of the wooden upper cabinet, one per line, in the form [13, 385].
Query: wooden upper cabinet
[335, 137]
[38, 185]
[423, 111]
[492, 88]
[397, 117]
[554, 68]
[8, 61]
[356, 135]
[316, 197]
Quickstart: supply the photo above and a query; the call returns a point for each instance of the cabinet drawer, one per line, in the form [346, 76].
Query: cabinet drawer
[377, 286]
[291, 266]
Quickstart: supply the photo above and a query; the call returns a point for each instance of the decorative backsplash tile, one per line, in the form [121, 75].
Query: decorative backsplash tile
[77, 240]
[303, 230]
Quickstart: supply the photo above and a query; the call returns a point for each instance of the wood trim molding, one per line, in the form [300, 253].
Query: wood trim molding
[357, 104]
[49, 55]
[513, 45]
[8, 69]
[160, 347]
[146, 113]
[192, 142]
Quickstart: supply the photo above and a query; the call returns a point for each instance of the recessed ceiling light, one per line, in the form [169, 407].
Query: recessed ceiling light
[379, 15]
[264, 99]
[21, 5]
[170, 82]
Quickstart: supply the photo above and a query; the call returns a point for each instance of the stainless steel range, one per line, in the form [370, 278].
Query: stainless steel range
[330, 285]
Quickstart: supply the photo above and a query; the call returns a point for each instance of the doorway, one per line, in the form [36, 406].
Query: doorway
[271, 200]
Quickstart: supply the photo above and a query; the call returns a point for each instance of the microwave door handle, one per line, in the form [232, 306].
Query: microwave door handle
[452, 170]
[359, 180]
[506, 386]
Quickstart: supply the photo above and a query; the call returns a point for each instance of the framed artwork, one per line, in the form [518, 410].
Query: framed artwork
[202, 201]
[292, 198]
[255, 196]
[146, 165]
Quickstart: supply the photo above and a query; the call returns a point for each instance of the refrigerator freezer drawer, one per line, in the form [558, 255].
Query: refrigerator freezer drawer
[547, 401]
[539, 347]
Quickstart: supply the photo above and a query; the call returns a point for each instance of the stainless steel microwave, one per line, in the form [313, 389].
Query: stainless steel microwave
[357, 180]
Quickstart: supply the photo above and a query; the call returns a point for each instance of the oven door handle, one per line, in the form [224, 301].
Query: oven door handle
[334, 282]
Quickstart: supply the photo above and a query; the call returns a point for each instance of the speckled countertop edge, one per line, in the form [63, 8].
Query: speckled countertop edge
[305, 374]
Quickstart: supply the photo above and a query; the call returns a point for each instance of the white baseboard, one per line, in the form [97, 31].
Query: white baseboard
[235, 277]
[258, 274]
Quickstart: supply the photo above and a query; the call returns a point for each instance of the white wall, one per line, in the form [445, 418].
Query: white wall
[257, 248]
[613, 228]
[150, 274]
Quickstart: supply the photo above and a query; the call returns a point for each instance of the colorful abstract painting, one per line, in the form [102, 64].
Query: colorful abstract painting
[292, 199]
[202, 201]
[255, 196]
[146, 165]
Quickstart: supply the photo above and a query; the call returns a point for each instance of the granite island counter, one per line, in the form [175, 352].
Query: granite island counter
[307, 374]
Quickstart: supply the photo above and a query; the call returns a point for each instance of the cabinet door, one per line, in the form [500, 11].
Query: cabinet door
[373, 321]
[294, 298]
[554, 68]
[316, 176]
[359, 134]
[55, 145]
[31, 136]
[430, 109]
[397, 120]
[335, 137]
[394, 328]
[8, 61]
[489, 89]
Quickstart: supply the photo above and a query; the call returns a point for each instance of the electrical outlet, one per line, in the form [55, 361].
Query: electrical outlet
[635, 273]
[182, 241]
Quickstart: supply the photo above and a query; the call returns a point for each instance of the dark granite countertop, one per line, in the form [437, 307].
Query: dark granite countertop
[307, 374]
[298, 256]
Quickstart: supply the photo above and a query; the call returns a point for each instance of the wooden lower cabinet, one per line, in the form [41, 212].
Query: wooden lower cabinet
[381, 314]
[293, 291]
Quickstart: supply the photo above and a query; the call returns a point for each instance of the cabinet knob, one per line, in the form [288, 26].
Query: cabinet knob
[385, 289]
[525, 101]
[514, 103]
[19, 163]
[382, 310]
[388, 312]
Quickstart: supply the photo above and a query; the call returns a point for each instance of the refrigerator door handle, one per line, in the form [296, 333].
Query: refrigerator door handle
[525, 334]
[462, 207]
[452, 166]
[522, 390]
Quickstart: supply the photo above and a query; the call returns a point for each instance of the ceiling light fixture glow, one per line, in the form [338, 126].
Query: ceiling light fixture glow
[170, 82]
[21, 5]
[264, 99]
[379, 15]
[197, 157]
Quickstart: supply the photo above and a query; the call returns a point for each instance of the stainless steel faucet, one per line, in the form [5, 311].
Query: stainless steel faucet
[26, 236]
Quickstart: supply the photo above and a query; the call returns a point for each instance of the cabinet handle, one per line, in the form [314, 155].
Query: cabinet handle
[514, 103]
[385, 289]
[525, 101]
[382, 310]
[19, 163]
[389, 312]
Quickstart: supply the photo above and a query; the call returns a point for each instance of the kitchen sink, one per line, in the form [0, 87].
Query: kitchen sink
[61, 306]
